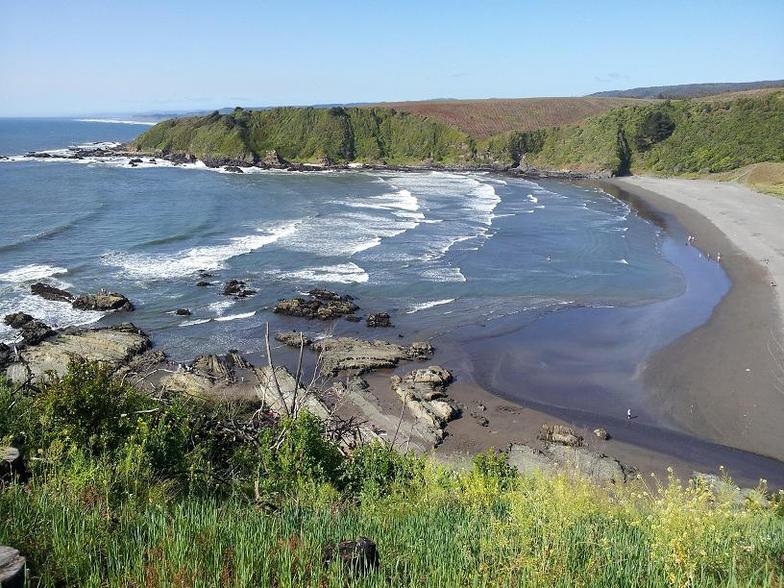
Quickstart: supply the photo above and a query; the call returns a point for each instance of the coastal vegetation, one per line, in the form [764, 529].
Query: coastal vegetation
[675, 137]
[122, 488]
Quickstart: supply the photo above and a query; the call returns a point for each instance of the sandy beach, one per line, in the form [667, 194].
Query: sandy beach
[724, 381]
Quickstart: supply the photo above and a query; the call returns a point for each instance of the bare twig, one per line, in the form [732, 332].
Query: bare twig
[273, 372]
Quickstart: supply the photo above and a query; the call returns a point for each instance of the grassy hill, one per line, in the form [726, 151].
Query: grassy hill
[337, 135]
[699, 136]
[689, 90]
[672, 137]
[484, 118]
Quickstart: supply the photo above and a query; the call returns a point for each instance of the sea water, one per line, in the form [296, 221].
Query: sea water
[436, 249]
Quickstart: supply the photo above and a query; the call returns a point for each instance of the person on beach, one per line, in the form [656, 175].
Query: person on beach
[628, 414]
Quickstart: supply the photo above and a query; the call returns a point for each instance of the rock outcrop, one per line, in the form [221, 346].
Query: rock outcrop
[208, 376]
[320, 304]
[30, 329]
[379, 319]
[560, 434]
[103, 300]
[238, 289]
[349, 354]
[724, 489]
[11, 464]
[113, 345]
[563, 450]
[292, 395]
[355, 557]
[51, 293]
[423, 392]
[293, 338]
[12, 568]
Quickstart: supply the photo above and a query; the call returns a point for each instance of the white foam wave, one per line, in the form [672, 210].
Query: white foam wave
[32, 272]
[234, 317]
[533, 198]
[188, 262]
[55, 314]
[624, 261]
[195, 322]
[220, 306]
[444, 274]
[344, 273]
[429, 304]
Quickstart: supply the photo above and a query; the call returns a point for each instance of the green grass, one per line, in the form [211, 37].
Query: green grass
[127, 490]
[677, 137]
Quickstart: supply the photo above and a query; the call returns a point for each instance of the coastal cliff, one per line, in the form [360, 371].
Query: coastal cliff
[660, 137]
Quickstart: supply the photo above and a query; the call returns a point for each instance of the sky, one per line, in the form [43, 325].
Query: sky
[84, 57]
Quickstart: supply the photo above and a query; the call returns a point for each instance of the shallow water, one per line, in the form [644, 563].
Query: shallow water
[438, 250]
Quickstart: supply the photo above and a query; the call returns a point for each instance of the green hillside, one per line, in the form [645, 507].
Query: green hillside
[338, 135]
[671, 137]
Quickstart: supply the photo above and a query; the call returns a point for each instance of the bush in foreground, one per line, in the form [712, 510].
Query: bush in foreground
[106, 507]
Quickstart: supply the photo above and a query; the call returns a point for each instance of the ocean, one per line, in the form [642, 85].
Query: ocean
[437, 250]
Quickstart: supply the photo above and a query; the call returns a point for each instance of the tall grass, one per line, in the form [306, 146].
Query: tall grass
[163, 500]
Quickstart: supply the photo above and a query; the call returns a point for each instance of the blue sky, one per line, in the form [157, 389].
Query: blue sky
[89, 57]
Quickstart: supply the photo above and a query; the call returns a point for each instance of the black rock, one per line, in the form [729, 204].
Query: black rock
[182, 312]
[237, 288]
[17, 320]
[379, 319]
[135, 160]
[6, 356]
[322, 294]
[202, 284]
[356, 557]
[51, 293]
[35, 331]
[103, 301]
[234, 168]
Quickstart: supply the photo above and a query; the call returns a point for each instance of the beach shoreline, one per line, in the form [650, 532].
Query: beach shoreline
[723, 380]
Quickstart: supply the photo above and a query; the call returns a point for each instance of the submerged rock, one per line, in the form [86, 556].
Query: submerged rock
[48, 292]
[379, 319]
[182, 312]
[237, 288]
[316, 308]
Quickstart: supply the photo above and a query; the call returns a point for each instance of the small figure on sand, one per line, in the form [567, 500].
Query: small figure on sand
[718, 256]
[690, 240]
[772, 284]
[549, 258]
[628, 414]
